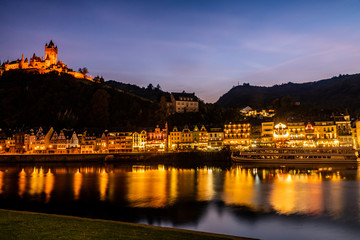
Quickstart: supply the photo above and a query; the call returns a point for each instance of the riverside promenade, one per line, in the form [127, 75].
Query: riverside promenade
[118, 157]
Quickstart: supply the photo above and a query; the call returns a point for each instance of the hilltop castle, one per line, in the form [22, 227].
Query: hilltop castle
[41, 65]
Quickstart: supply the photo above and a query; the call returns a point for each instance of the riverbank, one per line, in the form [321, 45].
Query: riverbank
[28, 225]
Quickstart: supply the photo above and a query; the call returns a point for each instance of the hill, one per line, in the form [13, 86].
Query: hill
[30, 100]
[150, 92]
[335, 94]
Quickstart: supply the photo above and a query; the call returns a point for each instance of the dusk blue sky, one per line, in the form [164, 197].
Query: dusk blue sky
[205, 47]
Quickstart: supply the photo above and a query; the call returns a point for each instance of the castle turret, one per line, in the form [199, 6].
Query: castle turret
[51, 52]
[22, 61]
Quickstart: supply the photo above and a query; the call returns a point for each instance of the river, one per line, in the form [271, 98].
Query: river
[267, 202]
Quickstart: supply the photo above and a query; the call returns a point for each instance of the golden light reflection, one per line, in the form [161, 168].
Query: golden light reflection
[238, 187]
[283, 195]
[111, 186]
[22, 183]
[49, 184]
[77, 184]
[147, 188]
[205, 189]
[103, 184]
[1, 181]
[36, 181]
[173, 185]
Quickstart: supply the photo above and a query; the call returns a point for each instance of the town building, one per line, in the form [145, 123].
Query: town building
[267, 133]
[325, 133]
[215, 138]
[184, 102]
[119, 142]
[343, 128]
[237, 134]
[174, 138]
[139, 141]
[187, 139]
[200, 137]
[157, 139]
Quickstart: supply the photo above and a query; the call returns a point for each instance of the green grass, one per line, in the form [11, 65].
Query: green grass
[25, 225]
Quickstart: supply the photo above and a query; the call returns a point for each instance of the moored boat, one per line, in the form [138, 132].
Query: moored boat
[296, 155]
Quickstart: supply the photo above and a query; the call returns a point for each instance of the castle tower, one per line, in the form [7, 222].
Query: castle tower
[51, 52]
[22, 62]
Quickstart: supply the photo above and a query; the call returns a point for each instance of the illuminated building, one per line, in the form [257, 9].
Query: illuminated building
[119, 142]
[64, 142]
[200, 137]
[19, 139]
[309, 132]
[43, 65]
[357, 134]
[184, 102]
[267, 133]
[2, 141]
[343, 128]
[237, 134]
[139, 141]
[157, 139]
[57, 143]
[174, 139]
[215, 138]
[297, 133]
[249, 112]
[89, 142]
[187, 138]
[325, 133]
[296, 130]
[281, 133]
[255, 134]
[42, 141]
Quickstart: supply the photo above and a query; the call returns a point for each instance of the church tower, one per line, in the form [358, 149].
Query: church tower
[51, 53]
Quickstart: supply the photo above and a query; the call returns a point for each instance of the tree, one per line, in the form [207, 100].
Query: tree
[83, 70]
[150, 87]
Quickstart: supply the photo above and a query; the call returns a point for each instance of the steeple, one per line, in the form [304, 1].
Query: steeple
[51, 44]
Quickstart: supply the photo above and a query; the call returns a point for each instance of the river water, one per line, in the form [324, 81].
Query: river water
[270, 202]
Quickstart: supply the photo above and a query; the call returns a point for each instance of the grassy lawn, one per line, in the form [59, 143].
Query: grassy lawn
[24, 225]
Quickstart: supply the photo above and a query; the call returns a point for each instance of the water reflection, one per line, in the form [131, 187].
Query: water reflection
[22, 182]
[103, 183]
[77, 184]
[147, 187]
[1, 181]
[331, 192]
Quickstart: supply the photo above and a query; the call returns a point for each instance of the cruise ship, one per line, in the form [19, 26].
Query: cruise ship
[289, 155]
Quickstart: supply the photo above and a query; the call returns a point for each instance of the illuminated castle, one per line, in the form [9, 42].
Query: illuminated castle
[41, 65]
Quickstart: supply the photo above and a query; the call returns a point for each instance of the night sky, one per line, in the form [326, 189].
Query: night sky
[204, 47]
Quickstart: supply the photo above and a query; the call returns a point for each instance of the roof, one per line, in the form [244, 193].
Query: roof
[68, 133]
[51, 44]
[184, 96]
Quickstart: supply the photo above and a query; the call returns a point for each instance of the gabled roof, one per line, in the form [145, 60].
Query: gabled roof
[68, 133]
